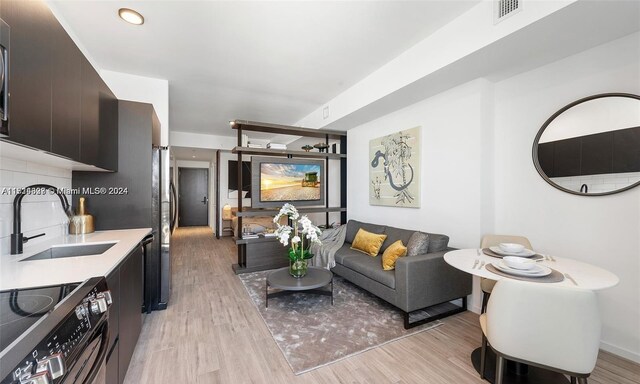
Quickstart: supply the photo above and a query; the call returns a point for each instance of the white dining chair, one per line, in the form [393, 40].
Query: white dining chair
[493, 240]
[551, 327]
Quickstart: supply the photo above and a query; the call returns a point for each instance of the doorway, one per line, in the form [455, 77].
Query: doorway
[193, 197]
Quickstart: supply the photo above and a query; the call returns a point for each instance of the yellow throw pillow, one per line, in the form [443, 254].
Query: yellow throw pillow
[391, 254]
[367, 242]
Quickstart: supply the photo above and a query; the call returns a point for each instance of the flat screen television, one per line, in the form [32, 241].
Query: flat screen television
[278, 180]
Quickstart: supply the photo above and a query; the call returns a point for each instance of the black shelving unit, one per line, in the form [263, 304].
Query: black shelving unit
[267, 253]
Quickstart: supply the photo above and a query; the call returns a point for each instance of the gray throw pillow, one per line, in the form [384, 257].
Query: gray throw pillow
[418, 244]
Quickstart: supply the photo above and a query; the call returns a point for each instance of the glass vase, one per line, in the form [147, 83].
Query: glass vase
[298, 263]
[298, 267]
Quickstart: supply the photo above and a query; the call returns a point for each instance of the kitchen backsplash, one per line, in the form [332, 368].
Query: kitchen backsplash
[40, 214]
[598, 183]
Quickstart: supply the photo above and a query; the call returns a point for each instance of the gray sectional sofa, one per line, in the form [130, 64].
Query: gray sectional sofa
[417, 282]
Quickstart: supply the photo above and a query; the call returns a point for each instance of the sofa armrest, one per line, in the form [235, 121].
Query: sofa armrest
[425, 280]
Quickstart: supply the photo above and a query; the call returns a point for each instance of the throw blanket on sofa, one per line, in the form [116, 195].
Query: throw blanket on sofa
[332, 240]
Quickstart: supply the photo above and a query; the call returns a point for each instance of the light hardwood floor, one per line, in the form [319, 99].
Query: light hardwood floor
[212, 333]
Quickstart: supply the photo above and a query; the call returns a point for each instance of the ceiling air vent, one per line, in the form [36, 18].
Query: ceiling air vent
[506, 8]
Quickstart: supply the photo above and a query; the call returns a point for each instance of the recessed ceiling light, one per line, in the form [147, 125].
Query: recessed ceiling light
[131, 16]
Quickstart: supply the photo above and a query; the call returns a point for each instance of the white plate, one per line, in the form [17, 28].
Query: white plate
[540, 271]
[525, 253]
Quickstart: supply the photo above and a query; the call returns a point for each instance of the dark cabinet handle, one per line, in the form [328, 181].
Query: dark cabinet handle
[205, 200]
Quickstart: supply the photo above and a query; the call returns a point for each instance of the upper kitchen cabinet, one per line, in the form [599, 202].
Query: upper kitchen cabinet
[99, 116]
[30, 71]
[90, 127]
[58, 101]
[66, 91]
[107, 128]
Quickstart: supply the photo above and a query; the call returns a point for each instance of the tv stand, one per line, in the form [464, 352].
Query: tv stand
[267, 253]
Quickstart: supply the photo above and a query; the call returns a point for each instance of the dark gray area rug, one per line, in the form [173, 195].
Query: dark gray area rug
[312, 333]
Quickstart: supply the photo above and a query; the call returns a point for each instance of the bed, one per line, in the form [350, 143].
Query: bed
[256, 224]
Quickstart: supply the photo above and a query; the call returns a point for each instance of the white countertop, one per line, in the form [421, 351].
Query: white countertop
[15, 274]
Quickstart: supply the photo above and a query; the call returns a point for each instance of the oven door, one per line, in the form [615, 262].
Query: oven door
[89, 366]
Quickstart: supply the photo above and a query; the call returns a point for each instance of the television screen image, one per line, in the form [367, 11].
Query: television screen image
[289, 180]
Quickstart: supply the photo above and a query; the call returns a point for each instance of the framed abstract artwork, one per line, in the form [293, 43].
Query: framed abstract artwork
[394, 169]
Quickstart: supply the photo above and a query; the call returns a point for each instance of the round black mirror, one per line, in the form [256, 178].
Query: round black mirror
[591, 147]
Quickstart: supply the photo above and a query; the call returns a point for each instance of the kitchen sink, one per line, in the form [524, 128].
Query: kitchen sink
[60, 251]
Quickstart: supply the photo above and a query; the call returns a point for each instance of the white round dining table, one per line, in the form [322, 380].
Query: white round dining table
[576, 273]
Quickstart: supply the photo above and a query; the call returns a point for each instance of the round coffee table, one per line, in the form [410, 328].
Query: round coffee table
[313, 282]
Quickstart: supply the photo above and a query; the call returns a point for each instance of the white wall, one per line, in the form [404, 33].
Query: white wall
[478, 176]
[198, 140]
[39, 213]
[604, 231]
[144, 90]
[452, 181]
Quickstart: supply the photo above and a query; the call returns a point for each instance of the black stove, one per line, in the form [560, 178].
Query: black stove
[55, 334]
[21, 308]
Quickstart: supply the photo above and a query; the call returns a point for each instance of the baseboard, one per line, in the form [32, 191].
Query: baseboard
[622, 352]
[474, 308]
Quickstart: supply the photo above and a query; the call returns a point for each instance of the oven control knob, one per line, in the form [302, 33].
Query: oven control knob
[54, 364]
[107, 296]
[98, 305]
[37, 378]
[81, 311]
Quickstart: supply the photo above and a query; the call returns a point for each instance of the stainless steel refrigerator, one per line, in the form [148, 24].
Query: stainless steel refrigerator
[143, 169]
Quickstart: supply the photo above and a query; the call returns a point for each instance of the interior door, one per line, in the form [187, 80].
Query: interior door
[193, 197]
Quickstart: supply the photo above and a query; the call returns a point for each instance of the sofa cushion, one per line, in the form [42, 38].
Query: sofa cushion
[437, 242]
[372, 268]
[367, 242]
[418, 244]
[345, 252]
[392, 253]
[354, 225]
[394, 234]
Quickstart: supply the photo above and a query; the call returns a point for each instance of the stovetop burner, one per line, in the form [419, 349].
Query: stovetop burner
[20, 309]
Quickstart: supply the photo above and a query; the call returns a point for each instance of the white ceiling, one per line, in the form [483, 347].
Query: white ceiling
[193, 154]
[267, 61]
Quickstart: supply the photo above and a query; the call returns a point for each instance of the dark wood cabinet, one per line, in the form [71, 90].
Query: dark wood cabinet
[125, 314]
[58, 102]
[601, 153]
[90, 114]
[626, 150]
[99, 121]
[566, 158]
[30, 71]
[130, 309]
[545, 157]
[107, 128]
[597, 151]
[66, 89]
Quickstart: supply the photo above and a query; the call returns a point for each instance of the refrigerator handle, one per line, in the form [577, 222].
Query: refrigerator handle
[174, 206]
